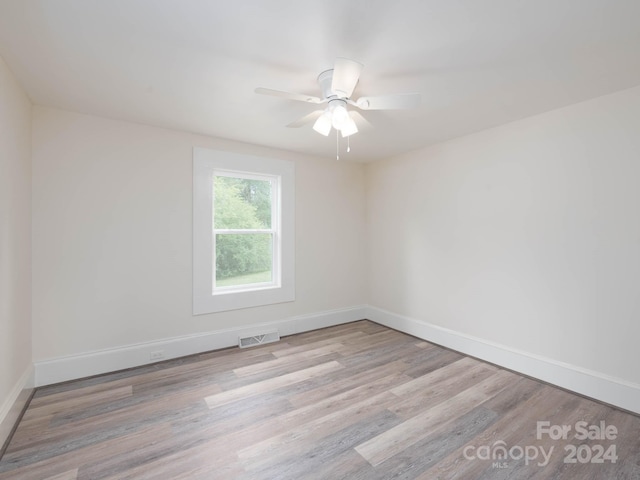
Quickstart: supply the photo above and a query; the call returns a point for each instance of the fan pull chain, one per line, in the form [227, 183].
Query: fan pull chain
[348, 144]
[337, 146]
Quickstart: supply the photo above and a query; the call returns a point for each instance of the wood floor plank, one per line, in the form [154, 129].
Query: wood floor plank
[506, 428]
[430, 379]
[35, 468]
[374, 342]
[235, 353]
[338, 338]
[628, 426]
[344, 384]
[439, 391]
[292, 442]
[199, 461]
[429, 360]
[396, 439]
[307, 416]
[286, 421]
[234, 381]
[310, 456]
[81, 400]
[557, 466]
[437, 444]
[63, 396]
[380, 355]
[111, 423]
[68, 475]
[326, 333]
[348, 465]
[291, 359]
[271, 384]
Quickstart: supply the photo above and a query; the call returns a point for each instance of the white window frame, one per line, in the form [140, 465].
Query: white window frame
[207, 298]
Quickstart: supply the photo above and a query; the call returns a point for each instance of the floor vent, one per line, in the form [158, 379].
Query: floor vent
[252, 341]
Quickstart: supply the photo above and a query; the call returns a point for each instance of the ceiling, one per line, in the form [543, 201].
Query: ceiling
[193, 64]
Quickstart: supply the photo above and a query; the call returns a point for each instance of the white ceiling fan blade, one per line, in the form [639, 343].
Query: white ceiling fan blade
[363, 123]
[403, 101]
[345, 76]
[306, 119]
[291, 96]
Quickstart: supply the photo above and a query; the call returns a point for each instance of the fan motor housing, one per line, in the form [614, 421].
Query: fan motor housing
[325, 79]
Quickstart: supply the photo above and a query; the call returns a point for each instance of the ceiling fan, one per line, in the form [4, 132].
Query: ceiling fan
[337, 86]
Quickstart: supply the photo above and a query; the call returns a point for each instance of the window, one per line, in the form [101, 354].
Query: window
[243, 245]
[246, 236]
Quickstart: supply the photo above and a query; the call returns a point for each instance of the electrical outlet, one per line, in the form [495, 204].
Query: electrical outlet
[157, 355]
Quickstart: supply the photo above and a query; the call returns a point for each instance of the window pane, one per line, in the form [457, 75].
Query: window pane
[241, 203]
[243, 259]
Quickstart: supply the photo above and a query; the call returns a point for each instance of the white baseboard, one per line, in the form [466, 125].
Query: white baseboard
[613, 391]
[103, 361]
[14, 404]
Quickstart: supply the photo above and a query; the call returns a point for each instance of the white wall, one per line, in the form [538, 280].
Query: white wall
[526, 235]
[112, 235]
[15, 246]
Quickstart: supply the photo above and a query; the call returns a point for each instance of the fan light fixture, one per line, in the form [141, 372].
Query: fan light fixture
[323, 124]
[336, 116]
[337, 86]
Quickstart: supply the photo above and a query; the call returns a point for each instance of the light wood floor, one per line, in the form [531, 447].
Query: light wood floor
[357, 401]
